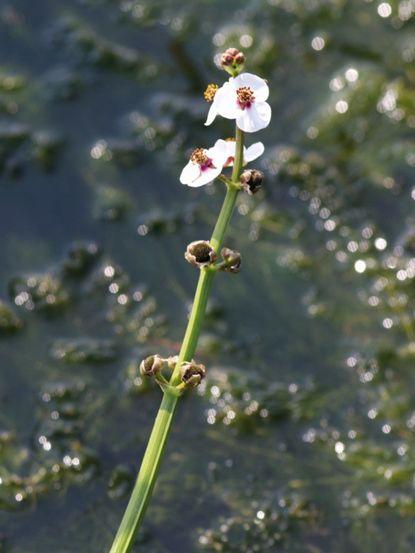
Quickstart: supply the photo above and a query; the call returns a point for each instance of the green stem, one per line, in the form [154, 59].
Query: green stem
[147, 476]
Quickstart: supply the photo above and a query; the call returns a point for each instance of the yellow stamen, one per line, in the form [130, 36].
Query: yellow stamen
[199, 156]
[210, 92]
[245, 95]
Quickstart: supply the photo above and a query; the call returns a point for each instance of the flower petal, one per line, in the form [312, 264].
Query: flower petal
[190, 173]
[255, 118]
[219, 153]
[220, 145]
[258, 85]
[206, 176]
[253, 152]
[225, 101]
[211, 114]
[222, 96]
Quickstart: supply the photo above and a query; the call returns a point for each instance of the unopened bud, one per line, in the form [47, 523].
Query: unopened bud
[233, 52]
[226, 59]
[152, 365]
[251, 180]
[192, 373]
[232, 61]
[231, 260]
[200, 253]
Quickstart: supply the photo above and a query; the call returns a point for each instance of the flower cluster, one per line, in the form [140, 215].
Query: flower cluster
[243, 98]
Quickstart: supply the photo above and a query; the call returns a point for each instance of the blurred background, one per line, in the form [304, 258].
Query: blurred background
[302, 437]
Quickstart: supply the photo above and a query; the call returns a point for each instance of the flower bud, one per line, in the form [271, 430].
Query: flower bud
[191, 374]
[200, 253]
[152, 365]
[226, 59]
[231, 260]
[251, 180]
[233, 52]
[232, 61]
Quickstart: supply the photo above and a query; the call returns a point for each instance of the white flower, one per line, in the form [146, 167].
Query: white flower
[204, 165]
[243, 98]
[250, 153]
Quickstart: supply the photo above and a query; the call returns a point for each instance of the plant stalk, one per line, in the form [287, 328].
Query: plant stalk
[147, 476]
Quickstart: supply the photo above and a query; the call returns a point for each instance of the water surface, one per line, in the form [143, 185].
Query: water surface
[302, 438]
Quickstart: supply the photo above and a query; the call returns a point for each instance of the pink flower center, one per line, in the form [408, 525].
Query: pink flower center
[230, 159]
[207, 165]
[245, 97]
[199, 156]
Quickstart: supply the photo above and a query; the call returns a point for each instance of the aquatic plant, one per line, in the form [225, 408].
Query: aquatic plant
[242, 98]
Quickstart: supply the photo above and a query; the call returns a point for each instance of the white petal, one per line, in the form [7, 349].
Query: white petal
[258, 85]
[227, 88]
[255, 118]
[225, 101]
[213, 112]
[231, 145]
[219, 153]
[211, 115]
[208, 175]
[230, 152]
[220, 145]
[253, 152]
[190, 173]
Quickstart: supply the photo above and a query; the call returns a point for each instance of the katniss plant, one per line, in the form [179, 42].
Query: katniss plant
[242, 98]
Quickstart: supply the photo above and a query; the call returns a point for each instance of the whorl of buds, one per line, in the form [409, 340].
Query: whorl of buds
[232, 61]
[151, 365]
[231, 260]
[200, 253]
[192, 374]
[251, 180]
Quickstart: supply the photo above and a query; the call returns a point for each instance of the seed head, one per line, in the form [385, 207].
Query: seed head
[192, 373]
[251, 180]
[151, 365]
[231, 260]
[200, 253]
[172, 361]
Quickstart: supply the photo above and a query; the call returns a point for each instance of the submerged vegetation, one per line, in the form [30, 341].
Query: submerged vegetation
[302, 435]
